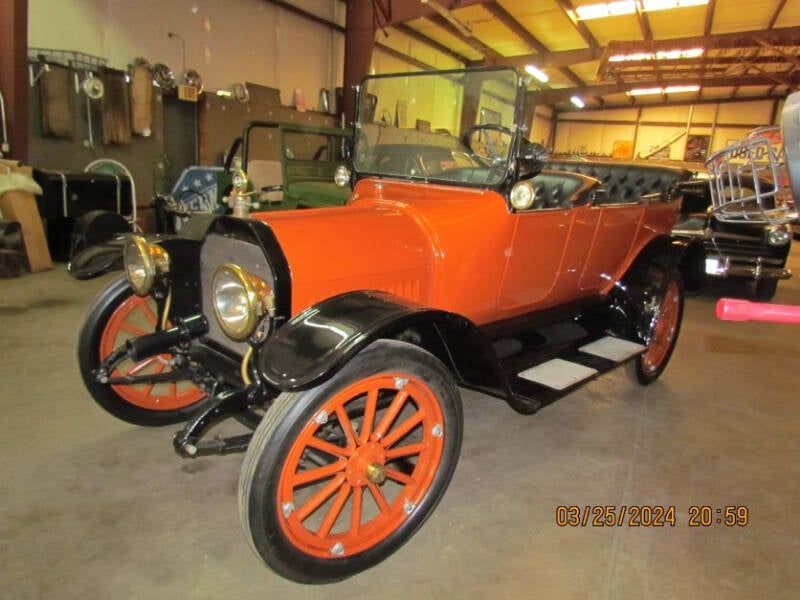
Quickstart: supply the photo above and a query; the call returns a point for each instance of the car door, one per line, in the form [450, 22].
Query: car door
[546, 257]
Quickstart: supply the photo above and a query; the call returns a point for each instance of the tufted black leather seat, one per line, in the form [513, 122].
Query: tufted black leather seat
[559, 189]
[626, 182]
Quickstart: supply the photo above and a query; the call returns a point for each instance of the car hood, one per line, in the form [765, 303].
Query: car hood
[399, 238]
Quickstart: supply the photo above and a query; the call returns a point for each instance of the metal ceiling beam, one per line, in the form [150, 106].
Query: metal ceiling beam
[488, 53]
[705, 61]
[424, 39]
[555, 96]
[502, 15]
[644, 23]
[712, 6]
[505, 17]
[778, 78]
[776, 14]
[569, 11]
[408, 10]
[792, 59]
[785, 36]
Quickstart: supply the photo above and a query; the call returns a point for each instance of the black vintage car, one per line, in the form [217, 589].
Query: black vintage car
[735, 219]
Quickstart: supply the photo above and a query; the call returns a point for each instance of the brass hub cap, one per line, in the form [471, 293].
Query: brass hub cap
[366, 465]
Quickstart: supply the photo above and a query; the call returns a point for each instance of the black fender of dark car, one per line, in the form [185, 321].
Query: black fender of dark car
[101, 258]
[318, 342]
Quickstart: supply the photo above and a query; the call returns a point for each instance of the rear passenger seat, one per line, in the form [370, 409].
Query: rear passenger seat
[627, 182]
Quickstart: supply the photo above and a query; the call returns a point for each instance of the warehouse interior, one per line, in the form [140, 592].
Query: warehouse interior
[99, 508]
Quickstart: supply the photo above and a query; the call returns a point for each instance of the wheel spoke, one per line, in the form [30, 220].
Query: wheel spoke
[401, 451]
[347, 427]
[148, 313]
[173, 389]
[334, 511]
[312, 475]
[401, 431]
[130, 328]
[398, 476]
[380, 500]
[355, 511]
[369, 415]
[391, 414]
[329, 448]
[141, 365]
[320, 497]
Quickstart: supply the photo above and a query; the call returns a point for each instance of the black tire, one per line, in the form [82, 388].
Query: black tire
[663, 333]
[129, 403]
[766, 289]
[271, 495]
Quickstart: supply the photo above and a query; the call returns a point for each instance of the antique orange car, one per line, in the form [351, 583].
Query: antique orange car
[341, 336]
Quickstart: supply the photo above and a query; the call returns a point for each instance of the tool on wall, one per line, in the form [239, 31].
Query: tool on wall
[94, 89]
[190, 77]
[163, 76]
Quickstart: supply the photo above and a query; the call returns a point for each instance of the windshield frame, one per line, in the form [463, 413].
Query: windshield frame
[517, 127]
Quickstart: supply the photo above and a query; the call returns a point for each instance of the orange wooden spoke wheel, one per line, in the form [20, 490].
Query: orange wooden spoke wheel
[114, 316]
[134, 317]
[338, 477]
[376, 470]
[664, 333]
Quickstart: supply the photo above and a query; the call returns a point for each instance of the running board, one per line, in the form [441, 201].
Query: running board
[553, 378]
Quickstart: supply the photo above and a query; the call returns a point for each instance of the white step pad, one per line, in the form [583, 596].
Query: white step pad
[557, 374]
[612, 348]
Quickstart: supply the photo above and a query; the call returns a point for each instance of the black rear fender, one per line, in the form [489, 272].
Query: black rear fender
[645, 280]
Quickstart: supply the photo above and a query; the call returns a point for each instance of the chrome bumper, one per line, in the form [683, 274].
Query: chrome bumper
[726, 266]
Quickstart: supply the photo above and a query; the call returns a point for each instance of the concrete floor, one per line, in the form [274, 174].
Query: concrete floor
[93, 508]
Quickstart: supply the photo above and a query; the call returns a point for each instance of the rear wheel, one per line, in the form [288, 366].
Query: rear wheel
[338, 477]
[663, 330]
[116, 315]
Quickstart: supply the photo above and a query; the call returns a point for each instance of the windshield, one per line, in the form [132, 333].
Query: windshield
[415, 125]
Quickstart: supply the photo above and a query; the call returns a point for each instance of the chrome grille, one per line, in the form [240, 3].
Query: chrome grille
[218, 250]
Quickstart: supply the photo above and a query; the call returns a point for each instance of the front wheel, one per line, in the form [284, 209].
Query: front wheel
[766, 289]
[114, 316]
[663, 329]
[338, 477]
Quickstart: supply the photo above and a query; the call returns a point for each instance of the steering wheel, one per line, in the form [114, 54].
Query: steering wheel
[492, 154]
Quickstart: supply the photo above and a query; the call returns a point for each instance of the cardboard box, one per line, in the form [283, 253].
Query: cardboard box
[16, 205]
[14, 166]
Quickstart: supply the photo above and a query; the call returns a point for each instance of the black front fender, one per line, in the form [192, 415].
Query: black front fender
[318, 342]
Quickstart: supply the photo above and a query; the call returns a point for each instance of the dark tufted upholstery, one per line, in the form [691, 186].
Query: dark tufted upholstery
[626, 182]
[557, 189]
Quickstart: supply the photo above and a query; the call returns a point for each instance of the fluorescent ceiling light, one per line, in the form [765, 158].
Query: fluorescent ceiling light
[645, 91]
[537, 73]
[672, 89]
[650, 5]
[577, 101]
[628, 7]
[660, 55]
[678, 89]
[606, 9]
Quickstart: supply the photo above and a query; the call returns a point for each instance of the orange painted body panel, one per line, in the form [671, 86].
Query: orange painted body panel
[461, 249]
